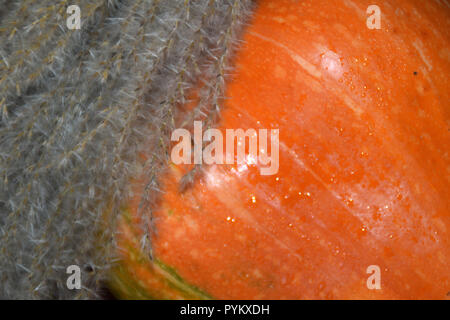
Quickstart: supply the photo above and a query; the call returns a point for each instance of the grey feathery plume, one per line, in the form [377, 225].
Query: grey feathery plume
[77, 107]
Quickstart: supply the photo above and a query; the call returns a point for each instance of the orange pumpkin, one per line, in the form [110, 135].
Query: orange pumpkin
[364, 171]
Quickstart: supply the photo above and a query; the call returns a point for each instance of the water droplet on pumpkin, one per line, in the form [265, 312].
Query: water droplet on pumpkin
[349, 202]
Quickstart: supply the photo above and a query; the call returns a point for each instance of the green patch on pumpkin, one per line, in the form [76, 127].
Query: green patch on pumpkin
[125, 284]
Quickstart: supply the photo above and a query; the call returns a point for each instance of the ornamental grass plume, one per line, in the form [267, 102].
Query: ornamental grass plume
[76, 109]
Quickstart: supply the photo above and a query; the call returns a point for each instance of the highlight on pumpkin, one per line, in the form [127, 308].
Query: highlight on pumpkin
[226, 150]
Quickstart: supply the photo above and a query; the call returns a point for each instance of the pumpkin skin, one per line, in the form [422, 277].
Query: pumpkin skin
[364, 168]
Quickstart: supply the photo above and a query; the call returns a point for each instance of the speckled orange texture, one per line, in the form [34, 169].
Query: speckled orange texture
[364, 160]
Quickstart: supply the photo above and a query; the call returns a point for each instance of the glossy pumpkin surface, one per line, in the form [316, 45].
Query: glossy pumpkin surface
[364, 168]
